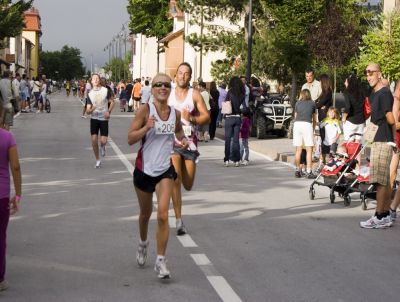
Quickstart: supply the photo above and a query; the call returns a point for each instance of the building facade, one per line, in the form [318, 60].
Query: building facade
[32, 33]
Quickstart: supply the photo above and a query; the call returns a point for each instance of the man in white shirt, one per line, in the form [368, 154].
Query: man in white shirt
[17, 91]
[145, 93]
[312, 85]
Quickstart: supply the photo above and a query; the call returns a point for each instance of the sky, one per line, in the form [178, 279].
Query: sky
[88, 25]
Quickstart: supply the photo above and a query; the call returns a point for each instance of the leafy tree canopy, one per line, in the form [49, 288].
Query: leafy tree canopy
[12, 17]
[63, 64]
[149, 17]
[382, 46]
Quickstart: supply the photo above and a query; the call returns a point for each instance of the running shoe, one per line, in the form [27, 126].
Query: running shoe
[245, 163]
[297, 174]
[141, 255]
[180, 228]
[373, 223]
[393, 214]
[387, 221]
[3, 285]
[236, 164]
[161, 269]
[103, 150]
[226, 163]
[98, 164]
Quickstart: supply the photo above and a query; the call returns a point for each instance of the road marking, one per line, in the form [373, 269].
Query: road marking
[121, 156]
[200, 259]
[223, 289]
[52, 215]
[187, 241]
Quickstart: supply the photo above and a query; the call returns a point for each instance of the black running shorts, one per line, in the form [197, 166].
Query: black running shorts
[148, 183]
[97, 125]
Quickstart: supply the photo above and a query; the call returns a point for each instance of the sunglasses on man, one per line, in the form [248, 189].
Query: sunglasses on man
[161, 84]
[370, 73]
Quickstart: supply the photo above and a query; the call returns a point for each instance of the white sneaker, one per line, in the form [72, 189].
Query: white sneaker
[227, 164]
[245, 162]
[237, 164]
[3, 285]
[141, 255]
[388, 221]
[161, 269]
[373, 223]
[98, 164]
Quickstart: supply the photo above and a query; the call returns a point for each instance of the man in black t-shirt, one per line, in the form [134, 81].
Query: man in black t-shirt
[381, 101]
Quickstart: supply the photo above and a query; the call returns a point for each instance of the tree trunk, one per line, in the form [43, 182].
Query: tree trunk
[294, 89]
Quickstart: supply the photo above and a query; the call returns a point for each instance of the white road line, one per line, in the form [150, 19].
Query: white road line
[201, 259]
[223, 289]
[187, 241]
[52, 215]
[121, 156]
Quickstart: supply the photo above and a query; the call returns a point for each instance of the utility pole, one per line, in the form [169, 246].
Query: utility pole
[249, 41]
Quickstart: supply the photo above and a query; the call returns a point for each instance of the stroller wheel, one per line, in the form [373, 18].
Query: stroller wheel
[347, 200]
[311, 194]
[332, 197]
[364, 203]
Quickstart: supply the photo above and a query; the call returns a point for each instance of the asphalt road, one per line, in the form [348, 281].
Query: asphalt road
[254, 233]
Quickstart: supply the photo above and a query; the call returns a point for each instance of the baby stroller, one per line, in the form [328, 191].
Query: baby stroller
[341, 176]
[361, 184]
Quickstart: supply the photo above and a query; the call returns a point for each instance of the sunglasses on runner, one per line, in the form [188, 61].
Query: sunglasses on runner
[162, 84]
[369, 72]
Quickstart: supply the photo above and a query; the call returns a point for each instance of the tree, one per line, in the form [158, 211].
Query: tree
[63, 64]
[149, 17]
[12, 17]
[382, 46]
[119, 67]
[335, 40]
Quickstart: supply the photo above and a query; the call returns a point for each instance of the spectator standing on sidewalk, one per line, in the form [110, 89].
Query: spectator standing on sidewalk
[7, 116]
[16, 90]
[222, 96]
[381, 100]
[204, 129]
[244, 137]
[353, 118]
[145, 93]
[153, 169]
[214, 109]
[395, 158]
[237, 97]
[312, 85]
[305, 120]
[324, 101]
[8, 206]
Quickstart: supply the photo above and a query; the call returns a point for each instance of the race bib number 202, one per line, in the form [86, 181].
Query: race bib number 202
[162, 127]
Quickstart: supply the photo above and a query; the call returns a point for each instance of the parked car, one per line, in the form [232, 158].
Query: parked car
[270, 114]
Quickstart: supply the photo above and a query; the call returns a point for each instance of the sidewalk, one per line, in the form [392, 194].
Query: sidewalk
[278, 149]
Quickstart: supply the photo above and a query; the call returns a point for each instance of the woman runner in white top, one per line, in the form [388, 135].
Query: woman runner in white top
[155, 125]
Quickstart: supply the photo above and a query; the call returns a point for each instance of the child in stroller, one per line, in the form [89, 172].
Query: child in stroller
[337, 174]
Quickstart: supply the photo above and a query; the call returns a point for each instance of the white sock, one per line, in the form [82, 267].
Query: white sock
[160, 258]
[308, 170]
[98, 162]
[178, 221]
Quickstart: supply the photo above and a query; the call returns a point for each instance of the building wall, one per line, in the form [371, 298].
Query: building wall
[389, 5]
[174, 55]
[145, 57]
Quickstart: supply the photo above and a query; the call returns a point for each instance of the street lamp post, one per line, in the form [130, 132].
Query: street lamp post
[249, 42]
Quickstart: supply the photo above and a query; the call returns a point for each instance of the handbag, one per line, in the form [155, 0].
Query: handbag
[226, 107]
[367, 108]
[130, 103]
[370, 132]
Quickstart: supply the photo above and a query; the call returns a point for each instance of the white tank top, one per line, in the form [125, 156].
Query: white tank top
[188, 105]
[154, 156]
